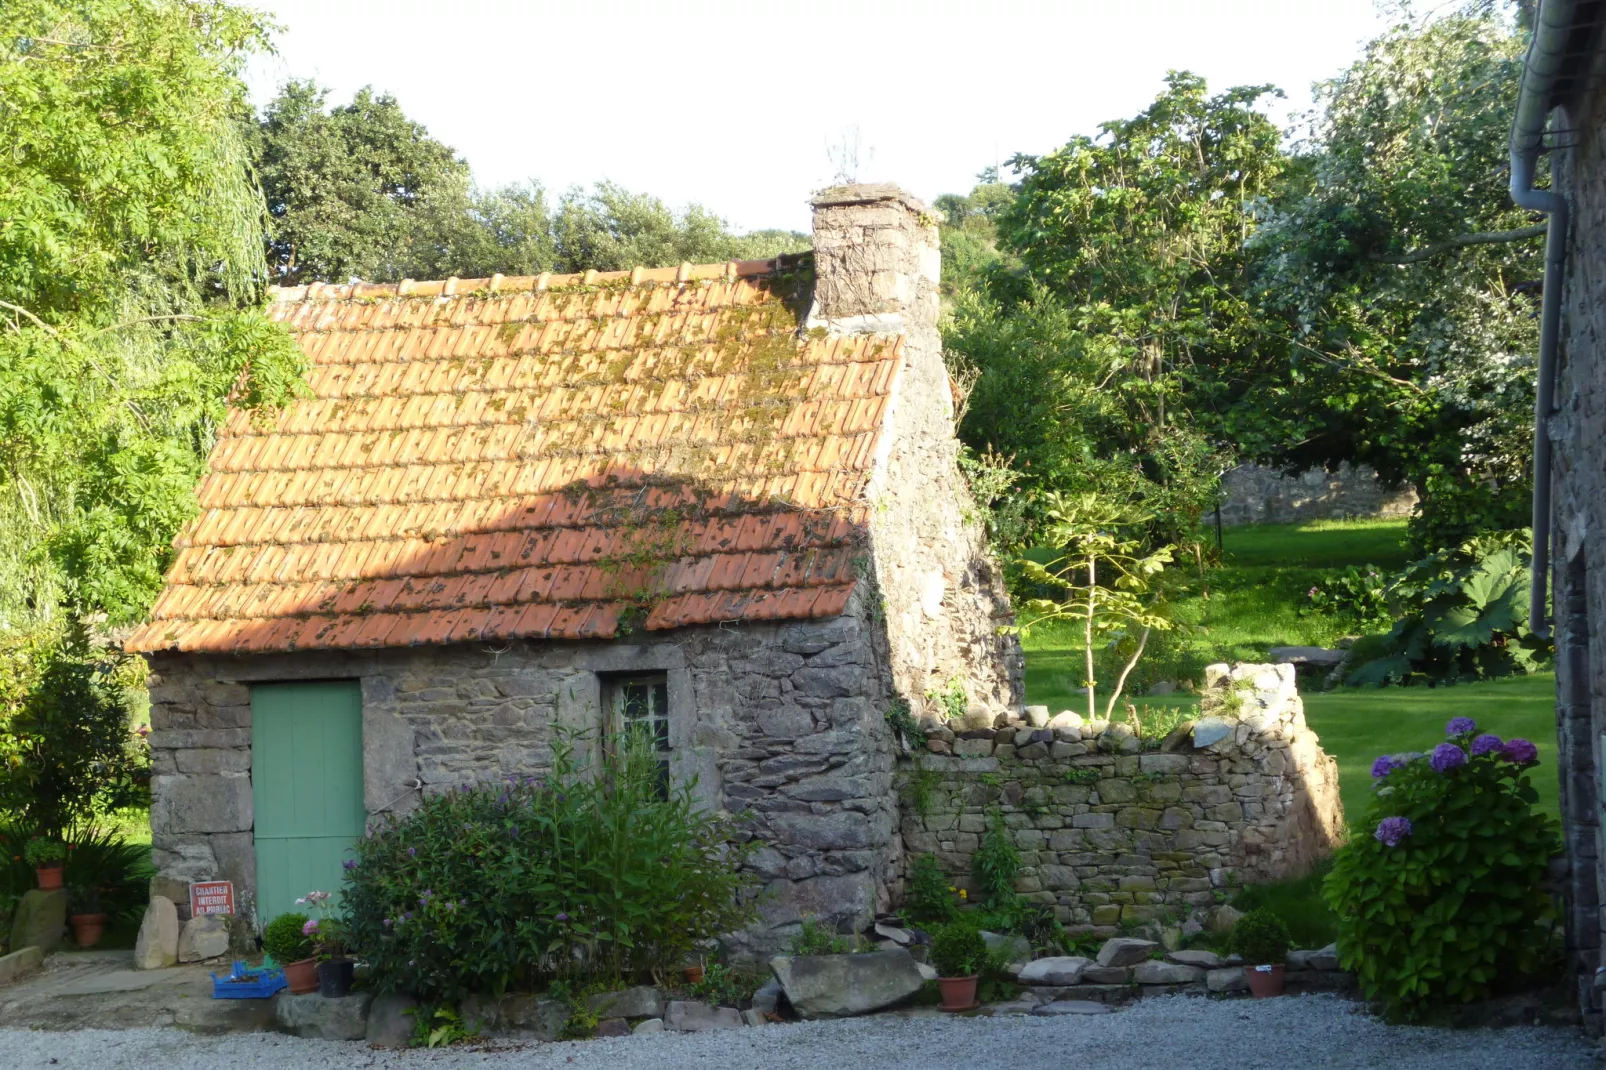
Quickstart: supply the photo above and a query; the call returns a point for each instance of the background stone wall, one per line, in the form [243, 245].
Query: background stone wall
[1112, 830]
[877, 264]
[784, 720]
[1253, 494]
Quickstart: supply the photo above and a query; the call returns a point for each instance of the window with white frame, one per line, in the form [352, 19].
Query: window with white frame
[641, 704]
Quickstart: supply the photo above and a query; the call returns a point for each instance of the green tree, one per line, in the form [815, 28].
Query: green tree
[130, 262]
[357, 190]
[1406, 334]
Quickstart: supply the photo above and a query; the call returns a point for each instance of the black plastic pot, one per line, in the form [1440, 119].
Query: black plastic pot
[335, 977]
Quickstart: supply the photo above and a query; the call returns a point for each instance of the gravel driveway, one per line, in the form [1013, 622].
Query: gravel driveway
[1164, 1033]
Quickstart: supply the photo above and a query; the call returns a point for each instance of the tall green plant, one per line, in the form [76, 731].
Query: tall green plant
[995, 865]
[1103, 581]
[585, 875]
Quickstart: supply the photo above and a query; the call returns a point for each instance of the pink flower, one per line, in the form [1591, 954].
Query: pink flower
[310, 928]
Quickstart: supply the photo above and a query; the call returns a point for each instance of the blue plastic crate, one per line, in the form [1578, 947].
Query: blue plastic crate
[245, 982]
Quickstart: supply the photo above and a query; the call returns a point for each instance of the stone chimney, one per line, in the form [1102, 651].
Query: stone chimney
[877, 263]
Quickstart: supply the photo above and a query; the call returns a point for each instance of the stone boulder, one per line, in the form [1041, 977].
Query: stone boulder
[40, 921]
[20, 963]
[1037, 716]
[834, 986]
[1166, 973]
[205, 936]
[1058, 970]
[691, 1016]
[613, 1027]
[642, 1001]
[1227, 979]
[390, 1023]
[1017, 948]
[1125, 951]
[157, 943]
[651, 1025]
[1325, 959]
[1207, 959]
[317, 1018]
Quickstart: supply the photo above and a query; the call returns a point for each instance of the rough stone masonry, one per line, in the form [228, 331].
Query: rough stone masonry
[1113, 828]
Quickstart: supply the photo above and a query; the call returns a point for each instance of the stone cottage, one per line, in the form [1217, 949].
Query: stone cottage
[718, 500]
[1562, 80]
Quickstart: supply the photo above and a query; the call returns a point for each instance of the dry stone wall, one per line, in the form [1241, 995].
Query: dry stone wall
[1112, 828]
[1254, 494]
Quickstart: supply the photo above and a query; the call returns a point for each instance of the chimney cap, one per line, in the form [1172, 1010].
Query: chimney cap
[867, 193]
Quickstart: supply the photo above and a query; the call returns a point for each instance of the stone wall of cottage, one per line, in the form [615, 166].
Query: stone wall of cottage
[877, 266]
[1113, 830]
[786, 721]
[1578, 549]
[1255, 494]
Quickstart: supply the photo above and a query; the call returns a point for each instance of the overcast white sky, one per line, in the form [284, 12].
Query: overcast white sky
[733, 105]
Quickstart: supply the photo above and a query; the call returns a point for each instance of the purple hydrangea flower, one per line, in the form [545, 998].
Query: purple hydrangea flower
[412, 852]
[562, 916]
[1391, 830]
[1447, 756]
[386, 923]
[310, 927]
[1460, 725]
[1383, 766]
[1485, 744]
[349, 864]
[1520, 751]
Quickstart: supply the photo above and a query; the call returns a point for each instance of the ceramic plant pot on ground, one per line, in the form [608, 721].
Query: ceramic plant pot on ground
[87, 929]
[335, 977]
[694, 975]
[1265, 981]
[958, 993]
[302, 976]
[49, 877]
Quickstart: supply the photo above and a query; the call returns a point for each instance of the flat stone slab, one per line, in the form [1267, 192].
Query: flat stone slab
[20, 963]
[642, 1001]
[102, 990]
[689, 1016]
[834, 986]
[1315, 656]
[1166, 973]
[1207, 959]
[1227, 979]
[1057, 970]
[1071, 1006]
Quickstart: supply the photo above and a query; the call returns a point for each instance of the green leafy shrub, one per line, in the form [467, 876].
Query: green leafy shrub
[958, 950]
[1463, 614]
[726, 986]
[1357, 595]
[1444, 896]
[585, 876]
[995, 864]
[118, 871]
[286, 940]
[812, 938]
[928, 895]
[1261, 938]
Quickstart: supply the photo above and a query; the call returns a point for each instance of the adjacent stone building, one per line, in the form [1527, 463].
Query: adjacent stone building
[1564, 78]
[720, 501]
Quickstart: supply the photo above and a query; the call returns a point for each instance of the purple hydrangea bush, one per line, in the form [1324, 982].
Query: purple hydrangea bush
[1455, 847]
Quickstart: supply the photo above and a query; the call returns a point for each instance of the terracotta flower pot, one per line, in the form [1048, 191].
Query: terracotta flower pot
[302, 976]
[87, 929]
[49, 877]
[958, 993]
[694, 975]
[1265, 981]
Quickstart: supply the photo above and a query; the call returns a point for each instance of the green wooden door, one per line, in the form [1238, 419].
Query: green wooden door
[306, 783]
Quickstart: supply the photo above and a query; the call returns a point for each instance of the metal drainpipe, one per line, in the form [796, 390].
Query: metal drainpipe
[1552, 22]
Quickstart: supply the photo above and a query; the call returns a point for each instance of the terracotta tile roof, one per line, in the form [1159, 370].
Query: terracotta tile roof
[549, 457]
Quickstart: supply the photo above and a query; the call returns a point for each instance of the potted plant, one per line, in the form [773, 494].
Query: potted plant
[47, 857]
[88, 920]
[1262, 939]
[286, 940]
[958, 952]
[335, 971]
